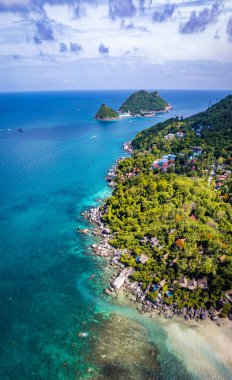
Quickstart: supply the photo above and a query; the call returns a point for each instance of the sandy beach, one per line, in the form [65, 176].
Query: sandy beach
[204, 347]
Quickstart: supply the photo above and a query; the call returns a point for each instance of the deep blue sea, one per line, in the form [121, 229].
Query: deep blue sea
[49, 174]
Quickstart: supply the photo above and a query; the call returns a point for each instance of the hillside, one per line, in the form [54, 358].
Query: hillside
[106, 113]
[171, 210]
[142, 103]
[211, 128]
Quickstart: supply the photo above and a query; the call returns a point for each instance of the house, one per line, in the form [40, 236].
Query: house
[179, 135]
[222, 177]
[170, 136]
[192, 284]
[183, 282]
[154, 242]
[202, 283]
[145, 240]
[193, 217]
[142, 259]
[222, 258]
[180, 243]
[162, 283]
[197, 150]
[163, 161]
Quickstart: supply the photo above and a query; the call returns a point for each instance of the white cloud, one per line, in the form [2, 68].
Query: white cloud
[15, 3]
[133, 42]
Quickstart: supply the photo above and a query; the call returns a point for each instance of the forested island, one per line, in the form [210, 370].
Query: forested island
[144, 103]
[106, 113]
[170, 214]
[140, 104]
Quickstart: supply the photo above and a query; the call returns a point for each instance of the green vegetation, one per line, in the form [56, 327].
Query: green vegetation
[106, 113]
[143, 102]
[213, 129]
[177, 218]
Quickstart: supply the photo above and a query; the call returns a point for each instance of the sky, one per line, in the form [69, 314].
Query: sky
[115, 44]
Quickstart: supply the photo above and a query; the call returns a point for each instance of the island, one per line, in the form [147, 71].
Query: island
[169, 219]
[144, 103]
[139, 104]
[106, 113]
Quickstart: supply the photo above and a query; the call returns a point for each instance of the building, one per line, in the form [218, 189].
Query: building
[142, 259]
[192, 284]
[162, 283]
[169, 136]
[197, 150]
[183, 282]
[154, 242]
[202, 283]
[179, 135]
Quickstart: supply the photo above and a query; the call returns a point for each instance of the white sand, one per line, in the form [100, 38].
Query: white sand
[203, 347]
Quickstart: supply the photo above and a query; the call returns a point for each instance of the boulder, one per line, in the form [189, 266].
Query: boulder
[122, 277]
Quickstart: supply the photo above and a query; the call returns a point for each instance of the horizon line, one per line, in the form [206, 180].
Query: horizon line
[112, 89]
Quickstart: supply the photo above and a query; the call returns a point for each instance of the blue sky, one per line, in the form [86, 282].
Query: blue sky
[104, 44]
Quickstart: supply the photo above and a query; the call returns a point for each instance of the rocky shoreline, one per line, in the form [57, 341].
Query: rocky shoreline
[133, 290]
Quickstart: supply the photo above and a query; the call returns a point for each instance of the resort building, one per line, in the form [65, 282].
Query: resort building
[142, 259]
[202, 283]
[192, 284]
[183, 282]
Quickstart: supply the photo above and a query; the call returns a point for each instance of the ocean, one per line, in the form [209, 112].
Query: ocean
[50, 173]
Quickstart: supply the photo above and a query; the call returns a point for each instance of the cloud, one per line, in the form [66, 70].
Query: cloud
[75, 47]
[131, 26]
[229, 29]
[44, 31]
[103, 49]
[121, 8]
[163, 14]
[199, 23]
[14, 6]
[63, 47]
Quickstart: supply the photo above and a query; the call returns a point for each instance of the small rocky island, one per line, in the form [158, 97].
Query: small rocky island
[106, 113]
[139, 104]
[144, 103]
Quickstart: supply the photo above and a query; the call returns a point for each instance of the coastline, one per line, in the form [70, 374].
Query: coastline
[120, 279]
[149, 114]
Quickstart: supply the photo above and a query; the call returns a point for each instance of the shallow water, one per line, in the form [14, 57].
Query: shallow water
[49, 174]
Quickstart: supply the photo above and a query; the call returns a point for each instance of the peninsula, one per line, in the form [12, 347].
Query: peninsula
[106, 113]
[144, 103]
[169, 220]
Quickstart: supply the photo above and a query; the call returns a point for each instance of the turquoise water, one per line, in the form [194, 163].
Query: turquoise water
[49, 174]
